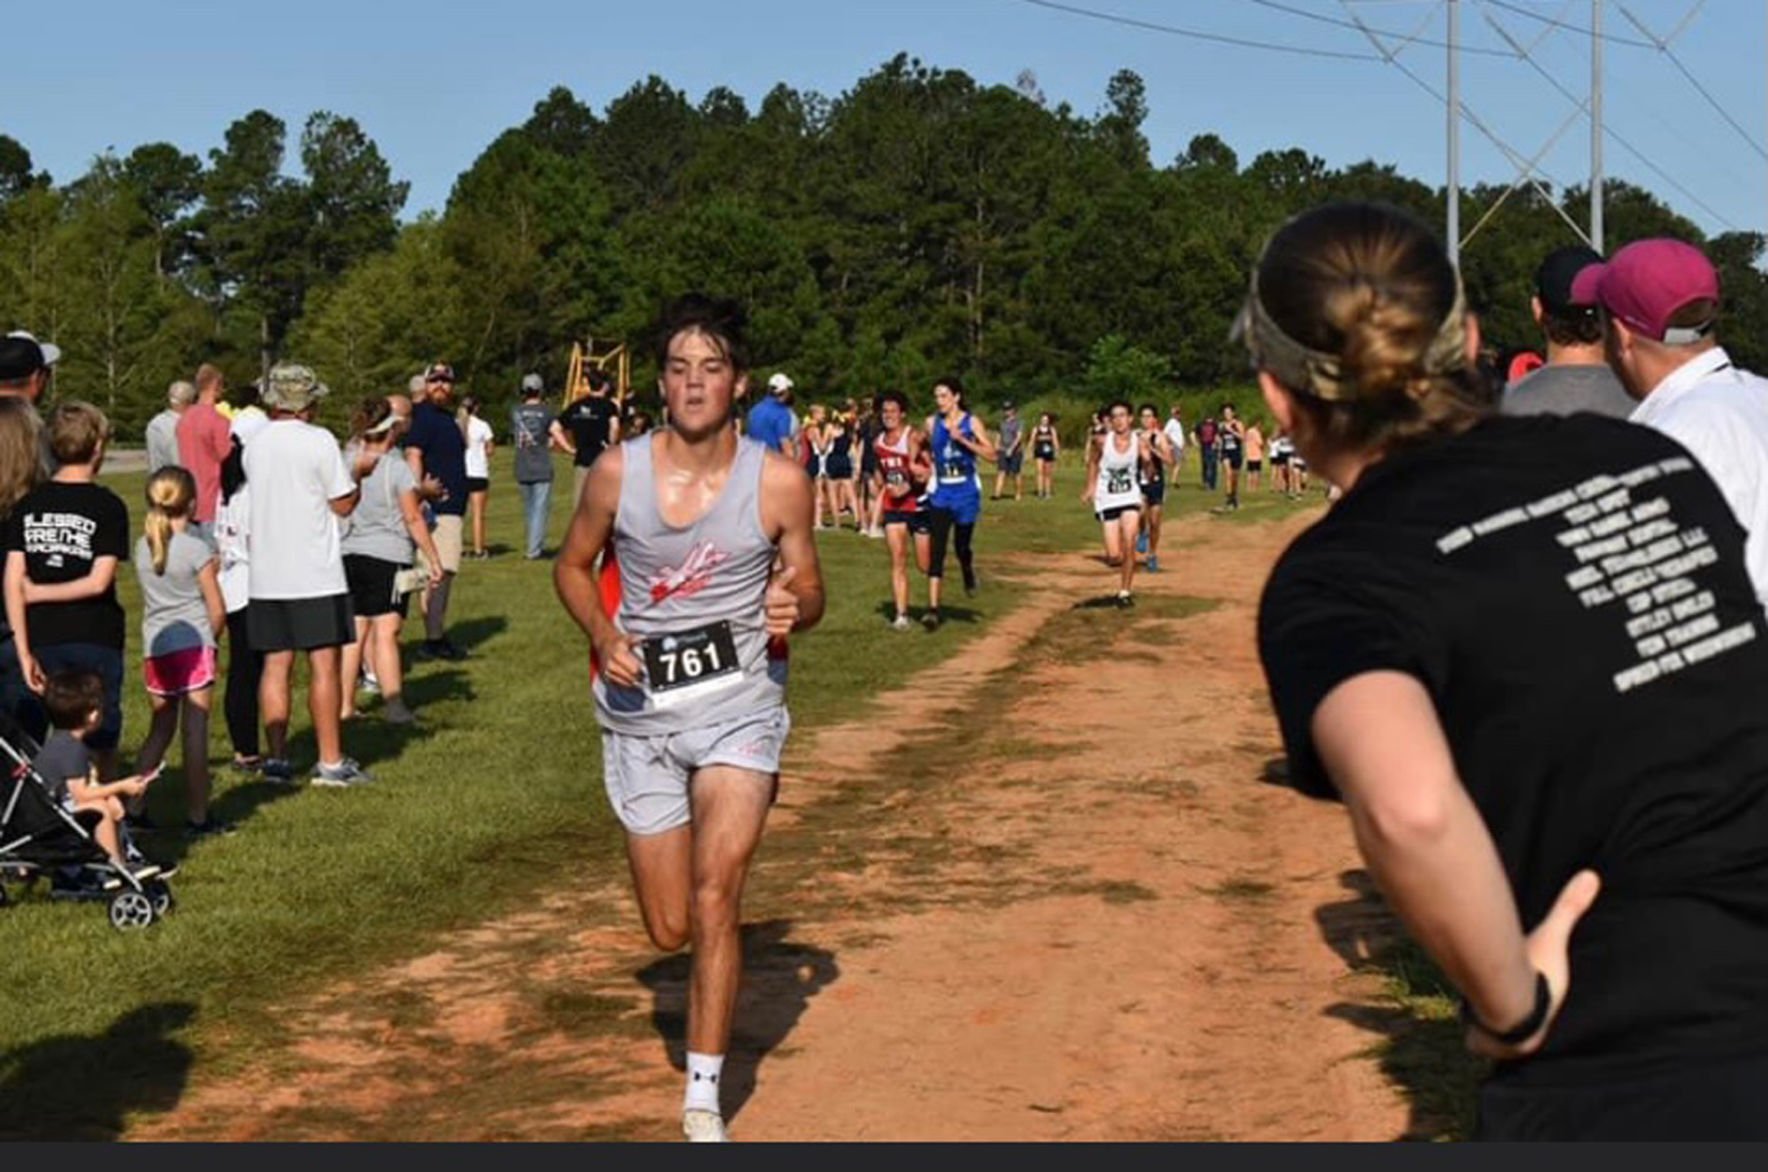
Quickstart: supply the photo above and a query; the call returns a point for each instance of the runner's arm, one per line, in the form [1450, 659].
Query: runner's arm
[574, 570]
[1091, 479]
[786, 514]
[1379, 738]
[979, 442]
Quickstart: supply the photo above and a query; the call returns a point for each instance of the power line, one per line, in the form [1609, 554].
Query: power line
[1199, 34]
[1581, 29]
[1336, 22]
[1583, 106]
[1663, 47]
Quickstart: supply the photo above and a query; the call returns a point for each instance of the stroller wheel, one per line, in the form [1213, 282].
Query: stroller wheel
[131, 910]
[160, 893]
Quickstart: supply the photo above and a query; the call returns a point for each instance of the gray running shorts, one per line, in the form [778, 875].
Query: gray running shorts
[647, 777]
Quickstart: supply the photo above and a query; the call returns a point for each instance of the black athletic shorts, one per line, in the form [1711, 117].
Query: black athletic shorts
[1112, 514]
[1255, 465]
[300, 624]
[1234, 458]
[372, 593]
[477, 484]
[1280, 460]
[1154, 493]
[1044, 452]
[916, 521]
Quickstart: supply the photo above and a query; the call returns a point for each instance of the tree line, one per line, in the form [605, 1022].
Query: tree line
[920, 224]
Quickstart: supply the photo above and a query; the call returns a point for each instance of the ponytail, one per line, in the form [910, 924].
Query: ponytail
[170, 494]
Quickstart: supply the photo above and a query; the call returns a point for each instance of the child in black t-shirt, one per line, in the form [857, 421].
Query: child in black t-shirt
[63, 542]
[75, 702]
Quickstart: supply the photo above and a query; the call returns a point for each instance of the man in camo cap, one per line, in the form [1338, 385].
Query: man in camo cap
[299, 598]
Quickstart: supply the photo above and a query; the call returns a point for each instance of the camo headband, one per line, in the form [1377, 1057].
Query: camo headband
[1321, 375]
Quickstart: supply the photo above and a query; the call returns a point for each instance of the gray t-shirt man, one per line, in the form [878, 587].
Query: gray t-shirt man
[377, 527]
[1566, 388]
[173, 614]
[531, 422]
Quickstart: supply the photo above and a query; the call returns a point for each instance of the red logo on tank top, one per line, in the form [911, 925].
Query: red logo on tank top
[694, 576]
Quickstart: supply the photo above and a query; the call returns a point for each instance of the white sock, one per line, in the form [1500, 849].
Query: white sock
[703, 1075]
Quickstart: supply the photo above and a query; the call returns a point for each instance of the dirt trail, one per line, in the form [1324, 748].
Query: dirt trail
[1050, 898]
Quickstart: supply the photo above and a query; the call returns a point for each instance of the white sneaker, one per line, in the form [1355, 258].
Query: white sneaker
[703, 1127]
[901, 623]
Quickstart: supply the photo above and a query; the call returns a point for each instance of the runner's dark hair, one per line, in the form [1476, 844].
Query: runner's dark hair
[719, 319]
[956, 386]
[897, 397]
[1114, 405]
[1150, 408]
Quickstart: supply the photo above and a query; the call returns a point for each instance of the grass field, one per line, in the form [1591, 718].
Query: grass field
[495, 798]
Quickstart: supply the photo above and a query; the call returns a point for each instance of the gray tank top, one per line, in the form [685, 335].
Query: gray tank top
[696, 595]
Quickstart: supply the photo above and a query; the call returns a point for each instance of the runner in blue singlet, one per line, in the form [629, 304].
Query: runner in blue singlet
[957, 438]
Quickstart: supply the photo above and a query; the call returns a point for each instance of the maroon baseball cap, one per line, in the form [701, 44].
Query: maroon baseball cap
[1646, 283]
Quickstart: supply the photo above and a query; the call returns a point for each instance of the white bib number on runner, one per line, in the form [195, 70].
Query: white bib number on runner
[1117, 480]
[687, 664]
[953, 473]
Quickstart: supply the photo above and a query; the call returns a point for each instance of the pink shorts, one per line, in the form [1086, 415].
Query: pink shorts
[178, 672]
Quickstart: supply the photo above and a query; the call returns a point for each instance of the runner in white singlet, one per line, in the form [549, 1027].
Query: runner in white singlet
[1114, 462]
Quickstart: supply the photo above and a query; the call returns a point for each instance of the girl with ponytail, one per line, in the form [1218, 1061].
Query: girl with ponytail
[182, 616]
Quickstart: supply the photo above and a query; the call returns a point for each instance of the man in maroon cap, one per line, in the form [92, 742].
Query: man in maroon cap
[1660, 304]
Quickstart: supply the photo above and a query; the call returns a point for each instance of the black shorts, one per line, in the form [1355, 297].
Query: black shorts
[300, 624]
[1280, 460]
[372, 592]
[478, 484]
[838, 468]
[1233, 459]
[1012, 465]
[1154, 493]
[916, 521]
[1044, 452]
[1112, 514]
[1255, 465]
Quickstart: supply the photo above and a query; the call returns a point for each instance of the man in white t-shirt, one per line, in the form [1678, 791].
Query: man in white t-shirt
[300, 601]
[1660, 310]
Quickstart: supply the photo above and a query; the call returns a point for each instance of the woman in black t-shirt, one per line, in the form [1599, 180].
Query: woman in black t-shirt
[1514, 648]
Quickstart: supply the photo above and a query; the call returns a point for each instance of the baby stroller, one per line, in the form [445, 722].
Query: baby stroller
[38, 837]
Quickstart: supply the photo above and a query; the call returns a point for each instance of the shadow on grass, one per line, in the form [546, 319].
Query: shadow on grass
[1419, 1045]
[469, 633]
[85, 1088]
[780, 977]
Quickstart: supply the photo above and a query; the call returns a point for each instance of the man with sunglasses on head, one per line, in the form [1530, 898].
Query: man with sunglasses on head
[435, 447]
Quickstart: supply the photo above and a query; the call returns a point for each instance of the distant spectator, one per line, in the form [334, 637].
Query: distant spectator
[771, 420]
[385, 531]
[204, 440]
[435, 447]
[300, 600]
[182, 617]
[21, 469]
[593, 422]
[480, 444]
[248, 412]
[162, 429]
[63, 543]
[245, 664]
[536, 432]
[26, 365]
[1576, 376]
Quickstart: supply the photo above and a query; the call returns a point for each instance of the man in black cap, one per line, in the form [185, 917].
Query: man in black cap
[1576, 377]
[25, 365]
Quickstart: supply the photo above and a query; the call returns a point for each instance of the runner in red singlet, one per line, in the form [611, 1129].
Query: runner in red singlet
[904, 465]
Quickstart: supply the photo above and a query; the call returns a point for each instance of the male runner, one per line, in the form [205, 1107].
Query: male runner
[903, 468]
[1113, 463]
[691, 670]
[1232, 436]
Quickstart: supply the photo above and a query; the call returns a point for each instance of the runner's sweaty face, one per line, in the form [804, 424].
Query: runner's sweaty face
[890, 414]
[945, 399]
[699, 384]
[1120, 420]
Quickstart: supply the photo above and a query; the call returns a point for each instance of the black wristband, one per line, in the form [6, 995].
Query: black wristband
[1529, 1026]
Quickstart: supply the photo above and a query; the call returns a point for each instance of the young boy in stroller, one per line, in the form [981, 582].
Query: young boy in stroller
[74, 701]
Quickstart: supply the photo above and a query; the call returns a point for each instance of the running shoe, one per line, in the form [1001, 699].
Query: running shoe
[704, 1127]
[931, 620]
[440, 649]
[344, 775]
[1125, 599]
[278, 771]
[395, 711]
[901, 623]
[1153, 564]
[1141, 543]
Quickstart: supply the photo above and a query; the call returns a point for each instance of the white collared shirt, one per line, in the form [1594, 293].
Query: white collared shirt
[1720, 414]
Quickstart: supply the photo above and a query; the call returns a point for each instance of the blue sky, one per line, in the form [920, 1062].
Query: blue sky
[433, 83]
